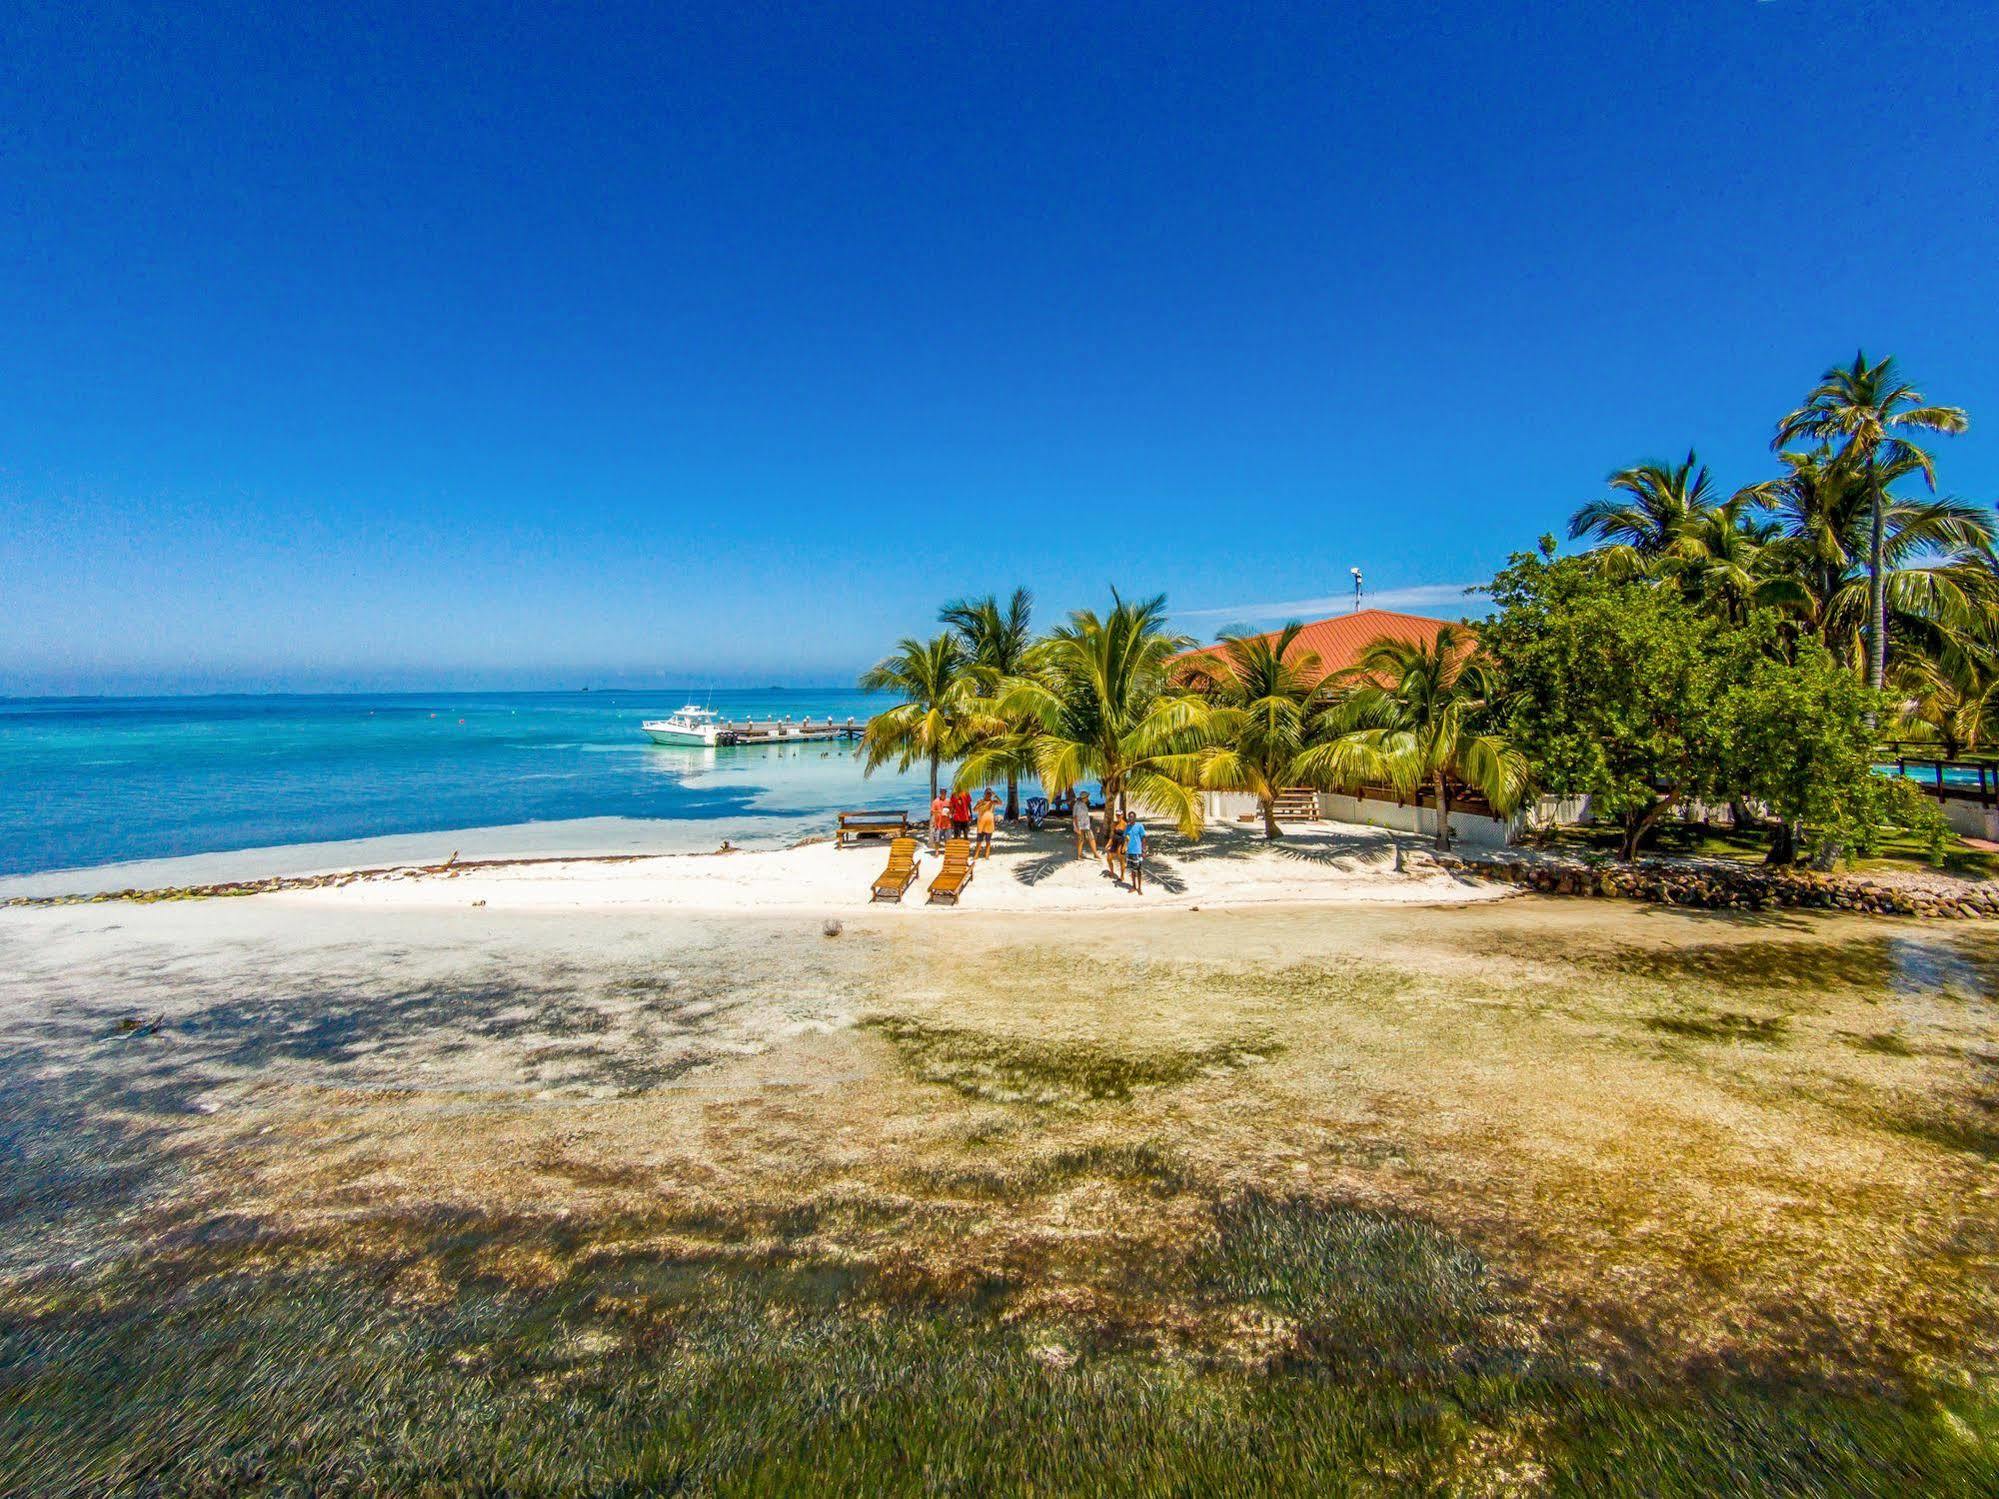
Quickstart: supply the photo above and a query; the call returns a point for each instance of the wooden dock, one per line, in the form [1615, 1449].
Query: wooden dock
[789, 730]
[1931, 762]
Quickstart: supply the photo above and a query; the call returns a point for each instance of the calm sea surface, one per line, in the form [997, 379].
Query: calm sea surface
[93, 781]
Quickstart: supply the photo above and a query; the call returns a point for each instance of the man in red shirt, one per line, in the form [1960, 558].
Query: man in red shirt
[961, 813]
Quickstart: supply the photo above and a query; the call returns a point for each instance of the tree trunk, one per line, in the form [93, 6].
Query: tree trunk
[1783, 844]
[1634, 832]
[1877, 592]
[1270, 827]
[1012, 797]
[1443, 815]
[933, 779]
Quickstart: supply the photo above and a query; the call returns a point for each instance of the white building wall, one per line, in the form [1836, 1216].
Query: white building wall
[1969, 820]
[1227, 806]
[1479, 832]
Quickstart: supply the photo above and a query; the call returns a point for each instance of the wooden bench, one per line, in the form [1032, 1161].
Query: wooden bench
[857, 828]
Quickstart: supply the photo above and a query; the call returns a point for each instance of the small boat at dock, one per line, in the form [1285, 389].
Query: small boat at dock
[702, 728]
[692, 725]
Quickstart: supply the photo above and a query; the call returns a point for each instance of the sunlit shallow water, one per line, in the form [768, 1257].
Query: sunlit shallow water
[92, 782]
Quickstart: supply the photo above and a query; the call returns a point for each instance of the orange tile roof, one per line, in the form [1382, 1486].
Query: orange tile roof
[1338, 642]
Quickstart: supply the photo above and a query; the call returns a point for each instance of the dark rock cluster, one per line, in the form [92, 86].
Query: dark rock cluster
[1712, 885]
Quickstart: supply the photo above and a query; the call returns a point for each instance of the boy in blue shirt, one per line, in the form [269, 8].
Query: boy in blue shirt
[1134, 855]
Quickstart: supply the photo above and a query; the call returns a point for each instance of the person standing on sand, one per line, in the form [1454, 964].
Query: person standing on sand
[940, 820]
[1134, 855]
[961, 813]
[1079, 818]
[1114, 843]
[988, 824]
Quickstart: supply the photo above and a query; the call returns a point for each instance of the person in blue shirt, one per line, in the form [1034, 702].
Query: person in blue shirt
[1134, 855]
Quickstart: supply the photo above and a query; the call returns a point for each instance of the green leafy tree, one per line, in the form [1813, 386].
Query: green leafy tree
[1422, 714]
[936, 715]
[1104, 706]
[1800, 736]
[999, 639]
[1612, 688]
[1868, 412]
[1268, 705]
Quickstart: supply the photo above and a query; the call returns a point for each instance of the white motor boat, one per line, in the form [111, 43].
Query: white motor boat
[695, 726]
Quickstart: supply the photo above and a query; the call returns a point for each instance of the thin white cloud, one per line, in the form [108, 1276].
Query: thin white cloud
[1416, 597]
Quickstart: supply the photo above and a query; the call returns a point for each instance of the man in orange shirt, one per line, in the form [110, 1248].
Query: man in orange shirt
[940, 819]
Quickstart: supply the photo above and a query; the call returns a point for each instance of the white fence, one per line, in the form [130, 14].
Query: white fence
[1479, 832]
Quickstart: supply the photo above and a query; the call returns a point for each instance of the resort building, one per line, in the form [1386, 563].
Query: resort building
[1339, 642]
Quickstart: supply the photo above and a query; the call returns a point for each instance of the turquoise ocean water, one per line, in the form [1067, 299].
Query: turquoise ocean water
[96, 781]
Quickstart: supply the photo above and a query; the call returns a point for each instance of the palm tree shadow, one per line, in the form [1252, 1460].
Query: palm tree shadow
[1209, 849]
[1033, 871]
[1341, 853]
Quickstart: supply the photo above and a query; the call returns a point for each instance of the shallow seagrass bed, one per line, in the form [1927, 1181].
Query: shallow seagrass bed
[1547, 1195]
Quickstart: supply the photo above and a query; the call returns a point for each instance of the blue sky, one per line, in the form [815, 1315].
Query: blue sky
[428, 346]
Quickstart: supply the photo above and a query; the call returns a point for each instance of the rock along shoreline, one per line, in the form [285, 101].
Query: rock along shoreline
[1715, 886]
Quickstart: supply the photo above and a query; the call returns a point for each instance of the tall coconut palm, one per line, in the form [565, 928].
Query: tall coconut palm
[998, 639]
[1418, 718]
[1267, 707]
[1648, 515]
[1103, 706]
[1868, 410]
[1936, 555]
[936, 712]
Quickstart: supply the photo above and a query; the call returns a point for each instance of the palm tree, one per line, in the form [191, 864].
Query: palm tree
[1867, 409]
[998, 640]
[1936, 555]
[1649, 515]
[1102, 706]
[1952, 691]
[1417, 719]
[1267, 707]
[1666, 525]
[933, 679]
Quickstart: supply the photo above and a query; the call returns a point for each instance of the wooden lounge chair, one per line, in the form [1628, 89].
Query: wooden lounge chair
[894, 881]
[955, 875]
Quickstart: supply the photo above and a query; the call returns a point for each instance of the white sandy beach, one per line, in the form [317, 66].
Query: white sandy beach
[613, 862]
[1028, 872]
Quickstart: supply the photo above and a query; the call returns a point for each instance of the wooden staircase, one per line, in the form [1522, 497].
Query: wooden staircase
[1297, 804]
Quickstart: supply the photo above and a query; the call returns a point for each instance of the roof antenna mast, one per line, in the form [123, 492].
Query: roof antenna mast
[1356, 588]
